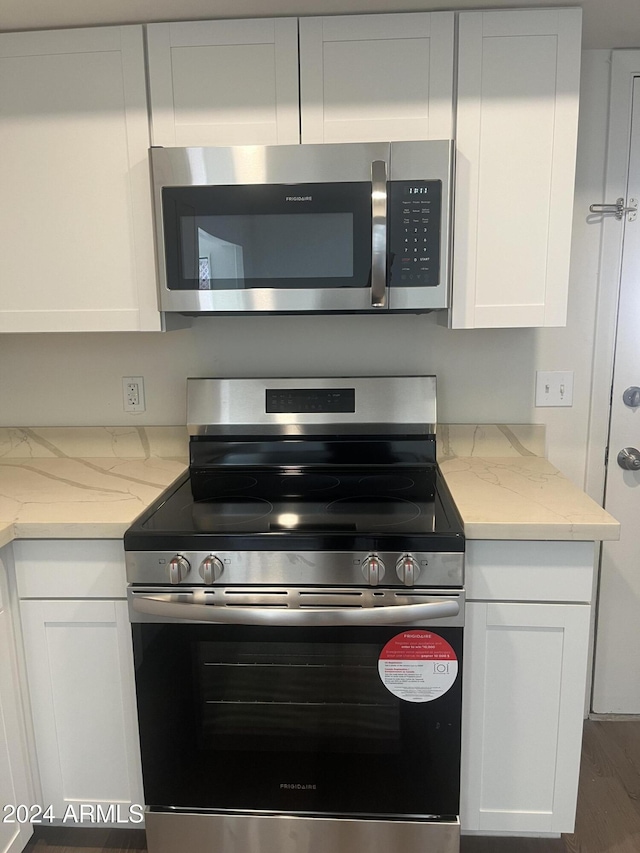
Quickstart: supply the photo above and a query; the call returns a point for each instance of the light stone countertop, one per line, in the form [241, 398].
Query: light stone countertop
[83, 482]
[91, 482]
[523, 498]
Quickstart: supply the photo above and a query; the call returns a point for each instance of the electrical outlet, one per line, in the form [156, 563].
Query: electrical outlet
[554, 388]
[133, 393]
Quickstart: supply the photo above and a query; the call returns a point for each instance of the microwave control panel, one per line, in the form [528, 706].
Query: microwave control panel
[414, 221]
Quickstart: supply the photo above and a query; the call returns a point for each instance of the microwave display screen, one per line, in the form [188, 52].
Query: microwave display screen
[267, 246]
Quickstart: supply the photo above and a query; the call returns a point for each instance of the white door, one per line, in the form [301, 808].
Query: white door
[616, 684]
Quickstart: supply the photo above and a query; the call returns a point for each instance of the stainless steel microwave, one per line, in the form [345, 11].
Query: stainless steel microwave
[358, 227]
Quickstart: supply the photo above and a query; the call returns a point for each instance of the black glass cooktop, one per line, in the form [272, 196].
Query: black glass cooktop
[293, 508]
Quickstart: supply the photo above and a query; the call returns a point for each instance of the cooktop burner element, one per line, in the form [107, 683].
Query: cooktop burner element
[299, 485]
[387, 482]
[229, 513]
[377, 511]
[350, 469]
[228, 483]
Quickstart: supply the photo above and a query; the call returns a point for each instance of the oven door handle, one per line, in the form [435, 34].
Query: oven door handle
[164, 605]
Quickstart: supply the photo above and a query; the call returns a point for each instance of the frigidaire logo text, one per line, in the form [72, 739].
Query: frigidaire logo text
[297, 786]
[299, 198]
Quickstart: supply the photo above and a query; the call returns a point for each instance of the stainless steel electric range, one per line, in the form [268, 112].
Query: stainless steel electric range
[297, 607]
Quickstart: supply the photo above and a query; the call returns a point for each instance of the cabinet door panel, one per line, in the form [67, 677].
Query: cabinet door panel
[518, 86]
[224, 82]
[525, 675]
[75, 222]
[374, 78]
[80, 672]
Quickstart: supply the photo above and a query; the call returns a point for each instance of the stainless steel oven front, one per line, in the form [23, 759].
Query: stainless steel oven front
[304, 228]
[297, 608]
[280, 720]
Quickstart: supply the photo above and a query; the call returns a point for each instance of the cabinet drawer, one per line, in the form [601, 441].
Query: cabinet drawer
[70, 568]
[529, 571]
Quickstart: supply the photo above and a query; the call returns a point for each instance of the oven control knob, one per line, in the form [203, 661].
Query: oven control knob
[408, 569]
[211, 568]
[178, 569]
[373, 569]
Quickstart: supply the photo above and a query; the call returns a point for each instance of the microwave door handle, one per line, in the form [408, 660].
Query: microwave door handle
[379, 234]
[166, 606]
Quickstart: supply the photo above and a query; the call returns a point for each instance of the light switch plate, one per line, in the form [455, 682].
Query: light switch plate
[554, 388]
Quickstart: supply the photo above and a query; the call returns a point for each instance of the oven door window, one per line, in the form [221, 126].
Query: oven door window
[267, 236]
[289, 720]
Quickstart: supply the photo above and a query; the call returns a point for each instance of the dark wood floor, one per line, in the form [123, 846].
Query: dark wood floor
[608, 819]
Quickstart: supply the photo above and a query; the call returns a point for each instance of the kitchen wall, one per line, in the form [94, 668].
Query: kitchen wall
[614, 23]
[483, 375]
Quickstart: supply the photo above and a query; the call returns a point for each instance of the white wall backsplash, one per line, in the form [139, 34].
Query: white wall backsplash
[483, 375]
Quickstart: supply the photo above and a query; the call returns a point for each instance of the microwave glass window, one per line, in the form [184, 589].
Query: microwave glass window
[303, 236]
[266, 247]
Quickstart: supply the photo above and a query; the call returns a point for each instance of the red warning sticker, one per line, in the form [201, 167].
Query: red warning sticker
[418, 666]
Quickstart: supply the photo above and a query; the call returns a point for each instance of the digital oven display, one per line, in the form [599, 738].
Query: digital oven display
[310, 400]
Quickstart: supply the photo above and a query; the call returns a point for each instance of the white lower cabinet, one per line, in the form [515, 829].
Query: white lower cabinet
[524, 690]
[15, 792]
[79, 664]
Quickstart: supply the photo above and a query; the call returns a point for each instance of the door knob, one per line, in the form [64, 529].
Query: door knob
[631, 397]
[629, 458]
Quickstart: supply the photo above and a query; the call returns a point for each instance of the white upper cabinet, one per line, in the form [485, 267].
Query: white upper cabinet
[376, 78]
[517, 116]
[224, 82]
[76, 230]
[75, 215]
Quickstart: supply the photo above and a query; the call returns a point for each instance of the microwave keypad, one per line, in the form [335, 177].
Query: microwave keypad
[414, 233]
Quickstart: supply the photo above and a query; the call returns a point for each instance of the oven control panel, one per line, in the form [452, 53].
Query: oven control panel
[420, 569]
[211, 568]
[407, 569]
[305, 400]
